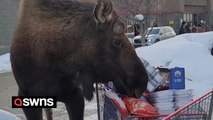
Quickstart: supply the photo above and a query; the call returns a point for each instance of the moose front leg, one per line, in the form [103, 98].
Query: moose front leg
[31, 113]
[75, 107]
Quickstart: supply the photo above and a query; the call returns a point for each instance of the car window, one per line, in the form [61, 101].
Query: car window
[162, 31]
[153, 31]
[166, 30]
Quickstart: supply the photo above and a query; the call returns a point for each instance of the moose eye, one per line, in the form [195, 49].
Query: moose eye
[117, 43]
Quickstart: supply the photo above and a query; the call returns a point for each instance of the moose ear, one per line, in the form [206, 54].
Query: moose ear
[103, 11]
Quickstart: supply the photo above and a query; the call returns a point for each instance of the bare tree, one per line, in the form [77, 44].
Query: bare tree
[130, 7]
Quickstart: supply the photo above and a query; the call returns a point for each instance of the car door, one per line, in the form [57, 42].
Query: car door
[171, 33]
[162, 34]
[168, 33]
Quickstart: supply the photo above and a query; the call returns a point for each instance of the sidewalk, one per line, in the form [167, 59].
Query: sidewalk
[8, 88]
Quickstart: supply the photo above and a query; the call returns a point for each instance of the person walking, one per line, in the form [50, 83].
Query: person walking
[182, 29]
[136, 29]
[194, 30]
[188, 30]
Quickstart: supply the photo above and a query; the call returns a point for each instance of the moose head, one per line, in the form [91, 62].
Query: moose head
[115, 58]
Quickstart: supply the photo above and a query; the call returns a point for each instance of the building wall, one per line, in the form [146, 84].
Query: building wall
[170, 6]
[173, 20]
[195, 6]
[211, 14]
[184, 6]
[194, 9]
[211, 5]
[196, 2]
[8, 17]
[177, 10]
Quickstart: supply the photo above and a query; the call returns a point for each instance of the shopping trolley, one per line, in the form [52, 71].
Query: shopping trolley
[199, 109]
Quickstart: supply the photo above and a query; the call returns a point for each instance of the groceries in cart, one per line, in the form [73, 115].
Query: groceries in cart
[170, 94]
[139, 107]
[163, 101]
[167, 101]
[199, 109]
[126, 105]
[165, 93]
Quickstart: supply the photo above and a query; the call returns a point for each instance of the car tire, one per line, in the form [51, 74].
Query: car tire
[157, 40]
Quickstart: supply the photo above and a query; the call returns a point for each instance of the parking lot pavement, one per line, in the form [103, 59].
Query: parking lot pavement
[4, 49]
[8, 88]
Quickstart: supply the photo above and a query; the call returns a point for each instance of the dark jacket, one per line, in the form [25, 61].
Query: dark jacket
[187, 29]
[182, 30]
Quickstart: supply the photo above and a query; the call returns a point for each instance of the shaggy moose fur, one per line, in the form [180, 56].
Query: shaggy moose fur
[62, 47]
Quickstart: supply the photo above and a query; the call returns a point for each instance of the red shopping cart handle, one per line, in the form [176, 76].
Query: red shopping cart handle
[146, 116]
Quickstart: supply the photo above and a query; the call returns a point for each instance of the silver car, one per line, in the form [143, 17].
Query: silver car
[153, 35]
[157, 34]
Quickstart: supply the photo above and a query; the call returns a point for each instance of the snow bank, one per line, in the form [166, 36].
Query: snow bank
[5, 63]
[4, 115]
[191, 51]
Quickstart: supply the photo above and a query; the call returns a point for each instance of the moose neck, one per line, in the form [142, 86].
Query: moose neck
[28, 8]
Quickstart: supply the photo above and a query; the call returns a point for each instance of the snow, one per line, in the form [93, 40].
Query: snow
[5, 63]
[191, 51]
[7, 115]
[139, 17]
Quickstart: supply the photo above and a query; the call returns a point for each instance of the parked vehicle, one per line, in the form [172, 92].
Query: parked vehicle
[157, 34]
[153, 35]
[136, 42]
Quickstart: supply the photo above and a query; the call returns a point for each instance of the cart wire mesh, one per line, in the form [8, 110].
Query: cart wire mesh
[199, 109]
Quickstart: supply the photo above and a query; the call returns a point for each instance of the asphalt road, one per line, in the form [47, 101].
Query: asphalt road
[8, 88]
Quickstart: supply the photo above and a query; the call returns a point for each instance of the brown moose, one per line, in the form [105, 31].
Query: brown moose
[62, 47]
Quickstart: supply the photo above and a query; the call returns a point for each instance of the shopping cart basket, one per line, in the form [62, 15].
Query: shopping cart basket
[199, 109]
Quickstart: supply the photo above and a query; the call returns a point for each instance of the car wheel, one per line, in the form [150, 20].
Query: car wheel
[157, 40]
